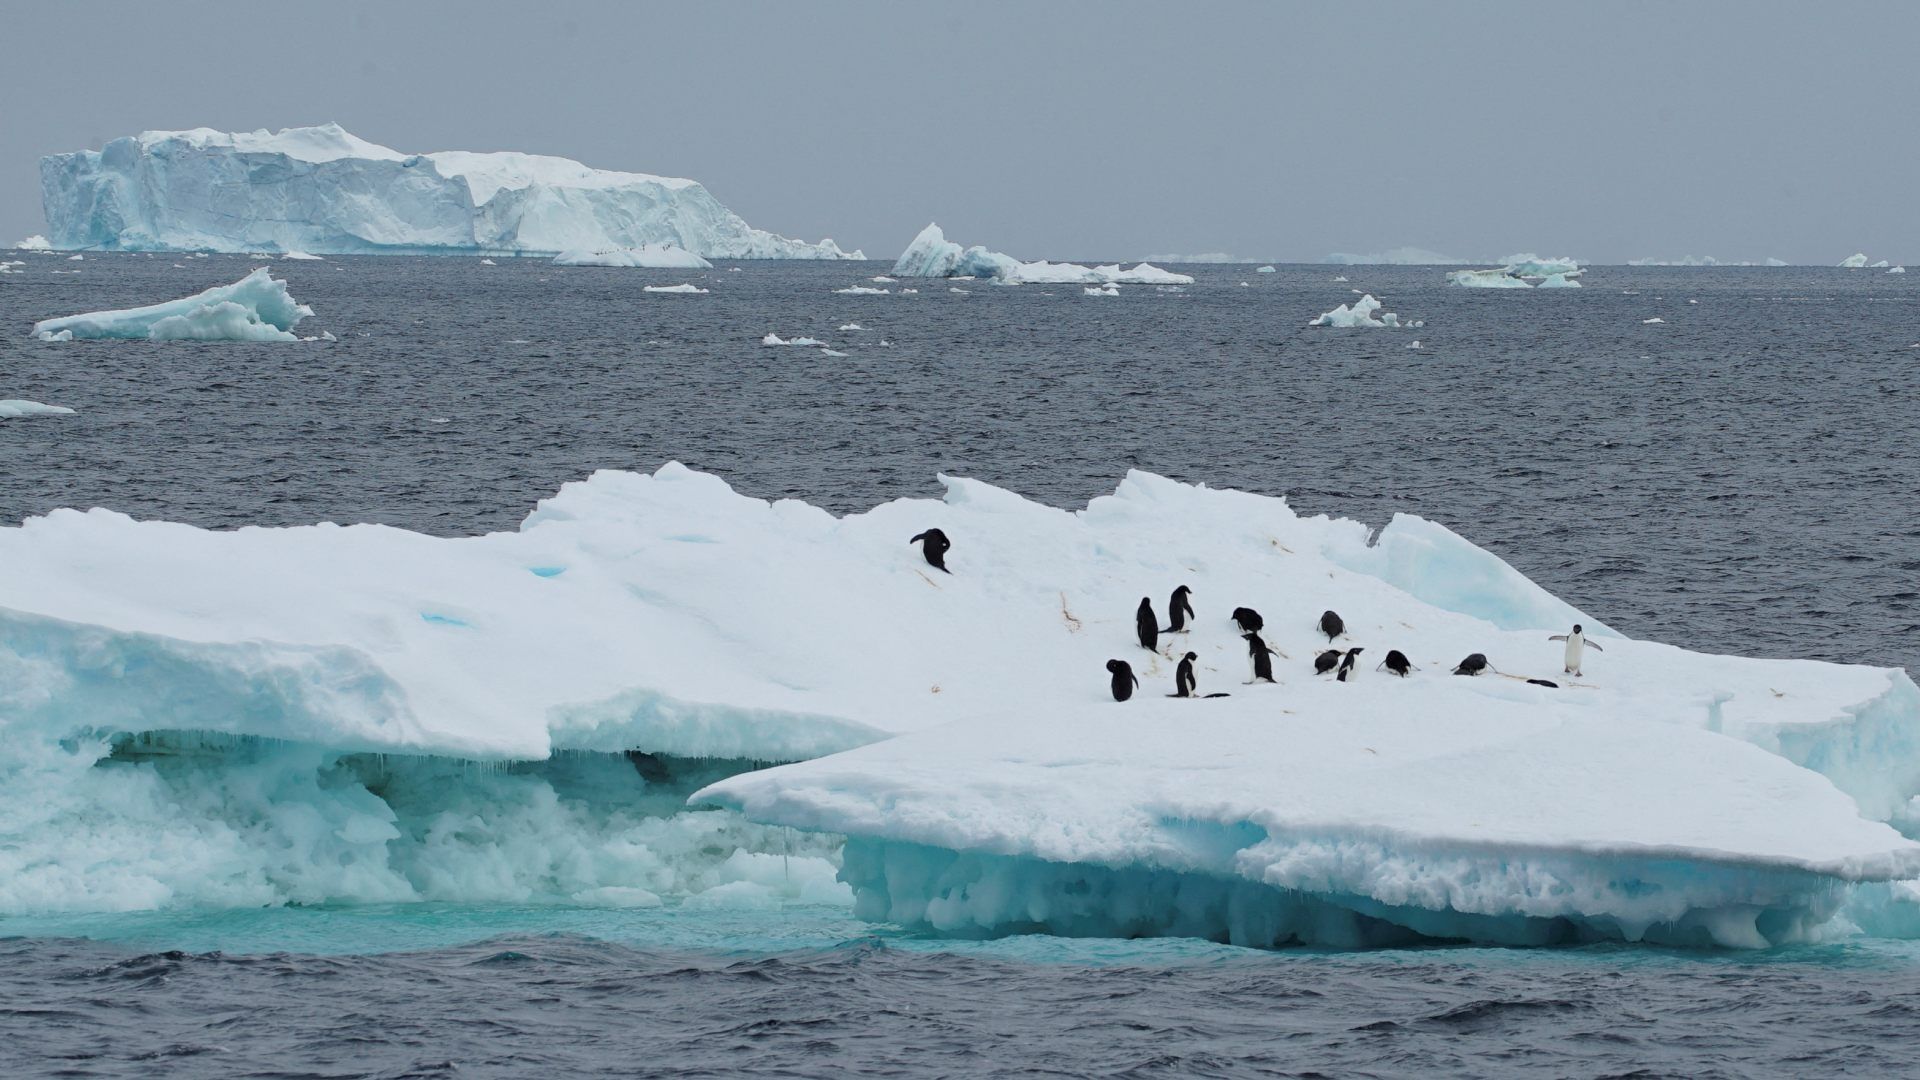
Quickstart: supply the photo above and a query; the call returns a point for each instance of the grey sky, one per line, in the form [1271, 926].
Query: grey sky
[1073, 130]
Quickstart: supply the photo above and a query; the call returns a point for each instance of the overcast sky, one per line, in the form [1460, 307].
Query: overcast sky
[1606, 131]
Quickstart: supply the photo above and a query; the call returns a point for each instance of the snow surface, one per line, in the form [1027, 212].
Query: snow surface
[16, 407]
[322, 189]
[659, 256]
[931, 254]
[255, 308]
[668, 614]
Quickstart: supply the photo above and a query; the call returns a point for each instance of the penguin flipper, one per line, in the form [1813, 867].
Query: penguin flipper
[1558, 637]
[1594, 645]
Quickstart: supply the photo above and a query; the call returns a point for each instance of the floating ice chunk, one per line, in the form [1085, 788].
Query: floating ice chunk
[1101, 290]
[776, 339]
[1246, 285]
[1265, 270]
[885, 344]
[1486, 279]
[36, 242]
[931, 254]
[1652, 321]
[957, 291]
[824, 351]
[1415, 344]
[860, 290]
[16, 407]
[76, 258]
[255, 308]
[851, 326]
[1342, 277]
[882, 279]
[656, 256]
[1897, 270]
[1881, 265]
[1854, 262]
[11, 267]
[301, 256]
[908, 292]
[1364, 312]
[486, 262]
[1559, 281]
[683, 289]
[322, 189]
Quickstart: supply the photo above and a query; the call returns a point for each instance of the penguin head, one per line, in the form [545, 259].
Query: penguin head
[1116, 666]
[1355, 651]
[1191, 657]
[1576, 628]
[1183, 591]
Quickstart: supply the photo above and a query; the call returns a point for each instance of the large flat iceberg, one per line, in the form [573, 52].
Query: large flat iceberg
[289, 715]
[931, 254]
[255, 308]
[322, 189]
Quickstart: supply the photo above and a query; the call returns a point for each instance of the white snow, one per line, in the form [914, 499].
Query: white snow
[17, 407]
[321, 189]
[931, 254]
[36, 242]
[670, 615]
[1364, 312]
[255, 308]
[1401, 256]
[684, 289]
[657, 256]
[1854, 262]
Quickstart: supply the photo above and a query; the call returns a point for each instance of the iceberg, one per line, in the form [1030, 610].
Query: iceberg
[36, 242]
[1881, 265]
[1897, 270]
[1402, 256]
[931, 254]
[1854, 262]
[655, 256]
[1558, 281]
[1552, 274]
[17, 407]
[1101, 290]
[1364, 312]
[1265, 270]
[1529, 265]
[322, 189]
[1486, 279]
[861, 290]
[293, 715]
[255, 308]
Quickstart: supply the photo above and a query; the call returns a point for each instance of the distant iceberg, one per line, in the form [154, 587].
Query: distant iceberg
[1896, 270]
[1402, 256]
[931, 254]
[17, 407]
[1487, 279]
[657, 256]
[36, 242]
[1702, 260]
[1552, 273]
[1854, 262]
[255, 308]
[1558, 281]
[321, 189]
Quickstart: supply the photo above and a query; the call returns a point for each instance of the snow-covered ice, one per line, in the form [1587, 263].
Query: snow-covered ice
[17, 407]
[656, 256]
[1363, 312]
[1486, 279]
[1101, 290]
[322, 189]
[860, 290]
[337, 680]
[255, 308]
[684, 289]
[931, 254]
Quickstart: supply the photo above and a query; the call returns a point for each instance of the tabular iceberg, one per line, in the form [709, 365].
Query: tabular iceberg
[287, 715]
[322, 189]
[931, 254]
[255, 308]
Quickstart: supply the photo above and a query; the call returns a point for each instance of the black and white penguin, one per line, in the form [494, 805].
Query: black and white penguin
[1326, 661]
[1179, 610]
[934, 544]
[1124, 680]
[1397, 663]
[1147, 626]
[1331, 625]
[1248, 620]
[1577, 645]
[1472, 665]
[1347, 669]
[1184, 683]
[1262, 658]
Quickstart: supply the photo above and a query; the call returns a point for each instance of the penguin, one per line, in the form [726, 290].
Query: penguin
[1326, 661]
[1147, 626]
[1331, 625]
[1346, 666]
[1472, 665]
[1262, 658]
[934, 548]
[1183, 680]
[1577, 644]
[1248, 620]
[1179, 610]
[1397, 663]
[1124, 680]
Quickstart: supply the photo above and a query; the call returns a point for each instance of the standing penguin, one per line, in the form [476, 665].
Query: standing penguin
[1346, 666]
[1184, 683]
[1147, 626]
[1577, 645]
[1474, 664]
[1179, 610]
[1326, 661]
[1262, 658]
[934, 544]
[1331, 625]
[1248, 620]
[1397, 663]
[1124, 680]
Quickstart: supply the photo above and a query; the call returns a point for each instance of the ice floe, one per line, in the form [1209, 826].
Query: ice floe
[255, 308]
[931, 254]
[683, 289]
[17, 407]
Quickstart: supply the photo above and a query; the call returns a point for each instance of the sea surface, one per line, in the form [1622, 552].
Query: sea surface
[1741, 476]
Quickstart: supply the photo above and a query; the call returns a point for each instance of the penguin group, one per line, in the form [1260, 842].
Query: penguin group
[1343, 664]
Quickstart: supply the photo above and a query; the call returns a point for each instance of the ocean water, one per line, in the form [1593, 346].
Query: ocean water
[1740, 477]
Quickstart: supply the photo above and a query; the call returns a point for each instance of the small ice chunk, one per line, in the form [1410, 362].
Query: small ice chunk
[831, 352]
[684, 289]
[1854, 261]
[1101, 290]
[75, 258]
[1650, 322]
[301, 256]
[1342, 277]
[1897, 270]
[487, 262]
[851, 326]
[882, 279]
[12, 407]
[1415, 344]
[1265, 270]
[860, 290]
[959, 291]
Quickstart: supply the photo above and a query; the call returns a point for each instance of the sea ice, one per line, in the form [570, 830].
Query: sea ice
[931, 254]
[255, 308]
[1364, 312]
[16, 407]
[860, 290]
[321, 189]
[685, 289]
